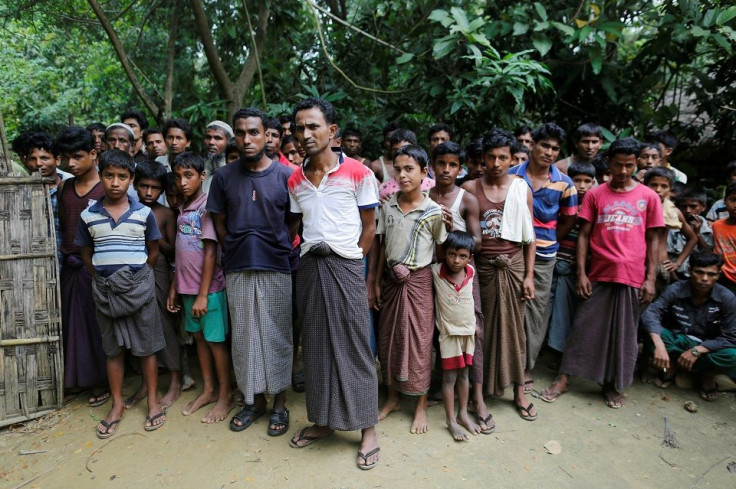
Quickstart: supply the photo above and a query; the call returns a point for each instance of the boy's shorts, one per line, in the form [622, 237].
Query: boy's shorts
[214, 324]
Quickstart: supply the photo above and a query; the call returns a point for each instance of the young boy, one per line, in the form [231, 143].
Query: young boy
[660, 180]
[505, 270]
[650, 156]
[154, 142]
[289, 148]
[411, 224]
[455, 319]
[474, 161]
[149, 183]
[399, 139]
[200, 284]
[587, 140]
[462, 205]
[119, 245]
[563, 299]
[621, 221]
[178, 134]
[520, 154]
[231, 151]
[97, 130]
[692, 204]
[724, 236]
[84, 360]
[667, 143]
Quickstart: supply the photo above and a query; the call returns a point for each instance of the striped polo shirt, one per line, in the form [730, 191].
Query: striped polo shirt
[117, 244]
[556, 197]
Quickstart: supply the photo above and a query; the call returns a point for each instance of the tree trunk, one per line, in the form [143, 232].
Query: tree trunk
[170, 56]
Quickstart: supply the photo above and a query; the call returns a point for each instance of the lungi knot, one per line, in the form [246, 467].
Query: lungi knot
[73, 262]
[501, 261]
[321, 249]
[400, 272]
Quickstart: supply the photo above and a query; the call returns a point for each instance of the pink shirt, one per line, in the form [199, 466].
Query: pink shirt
[193, 226]
[620, 220]
[388, 188]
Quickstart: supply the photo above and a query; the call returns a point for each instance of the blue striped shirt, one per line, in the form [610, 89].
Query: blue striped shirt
[117, 244]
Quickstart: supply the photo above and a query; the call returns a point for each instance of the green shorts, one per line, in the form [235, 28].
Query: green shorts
[213, 325]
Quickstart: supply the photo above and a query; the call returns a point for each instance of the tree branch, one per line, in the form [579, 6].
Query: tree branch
[210, 50]
[170, 56]
[120, 52]
[256, 53]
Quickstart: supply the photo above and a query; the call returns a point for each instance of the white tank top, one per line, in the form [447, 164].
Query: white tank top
[458, 223]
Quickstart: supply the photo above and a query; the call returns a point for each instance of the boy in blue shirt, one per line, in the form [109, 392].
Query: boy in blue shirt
[119, 245]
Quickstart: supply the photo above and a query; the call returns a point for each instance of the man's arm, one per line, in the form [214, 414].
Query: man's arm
[85, 253]
[565, 224]
[584, 287]
[472, 218]
[530, 255]
[152, 248]
[646, 292]
[220, 223]
[692, 240]
[168, 230]
[368, 220]
[652, 319]
[199, 308]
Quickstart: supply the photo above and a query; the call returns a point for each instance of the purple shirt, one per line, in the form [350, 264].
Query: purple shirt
[193, 226]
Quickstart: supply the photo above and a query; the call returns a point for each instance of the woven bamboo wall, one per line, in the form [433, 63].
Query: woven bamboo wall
[31, 363]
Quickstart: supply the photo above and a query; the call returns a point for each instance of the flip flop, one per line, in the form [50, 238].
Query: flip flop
[549, 396]
[711, 390]
[366, 465]
[107, 434]
[151, 419]
[479, 420]
[278, 417]
[522, 410]
[99, 399]
[246, 416]
[309, 439]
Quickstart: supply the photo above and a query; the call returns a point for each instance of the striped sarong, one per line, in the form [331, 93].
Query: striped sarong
[262, 346]
[405, 331]
[341, 382]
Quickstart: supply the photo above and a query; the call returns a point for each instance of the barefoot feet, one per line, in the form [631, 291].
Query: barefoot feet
[420, 425]
[391, 406]
[202, 400]
[614, 399]
[220, 411]
[131, 401]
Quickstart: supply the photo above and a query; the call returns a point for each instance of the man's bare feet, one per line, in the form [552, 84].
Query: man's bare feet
[420, 425]
[171, 396]
[555, 390]
[131, 401]
[389, 407]
[707, 388]
[187, 382]
[202, 400]
[369, 453]
[455, 431]
[614, 399]
[464, 420]
[219, 412]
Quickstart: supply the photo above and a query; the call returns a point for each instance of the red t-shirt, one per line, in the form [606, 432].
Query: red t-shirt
[724, 237]
[618, 246]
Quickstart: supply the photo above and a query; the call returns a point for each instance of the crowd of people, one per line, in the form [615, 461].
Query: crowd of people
[282, 235]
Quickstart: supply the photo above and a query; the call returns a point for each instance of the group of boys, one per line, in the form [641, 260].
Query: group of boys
[282, 234]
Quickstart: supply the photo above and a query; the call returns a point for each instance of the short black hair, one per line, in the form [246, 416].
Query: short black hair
[654, 146]
[440, 127]
[449, 148]
[20, 143]
[327, 109]
[459, 240]
[581, 168]
[178, 123]
[351, 131]
[705, 259]
[248, 112]
[390, 127]
[400, 135]
[96, 126]
[151, 130]
[522, 130]
[189, 160]
[170, 182]
[498, 138]
[697, 194]
[600, 162]
[730, 189]
[665, 137]
[273, 123]
[625, 146]
[232, 145]
[74, 138]
[289, 139]
[152, 170]
[42, 140]
[730, 168]
[659, 172]
[117, 159]
[137, 115]
[517, 147]
[474, 149]
[548, 130]
[414, 152]
[587, 130]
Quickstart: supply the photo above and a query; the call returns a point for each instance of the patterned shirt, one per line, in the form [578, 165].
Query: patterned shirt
[117, 244]
[555, 198]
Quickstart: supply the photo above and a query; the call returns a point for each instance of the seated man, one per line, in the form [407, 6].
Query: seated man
[692, 325]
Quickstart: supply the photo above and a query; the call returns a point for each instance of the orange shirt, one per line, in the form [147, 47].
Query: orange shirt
[724, 237]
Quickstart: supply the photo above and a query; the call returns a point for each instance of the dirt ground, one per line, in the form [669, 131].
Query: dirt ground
[600, 447]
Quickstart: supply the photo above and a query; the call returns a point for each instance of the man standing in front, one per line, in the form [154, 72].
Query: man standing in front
[336, 198]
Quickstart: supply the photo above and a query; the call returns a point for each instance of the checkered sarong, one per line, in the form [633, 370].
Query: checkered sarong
[341, 382]
[262, 347]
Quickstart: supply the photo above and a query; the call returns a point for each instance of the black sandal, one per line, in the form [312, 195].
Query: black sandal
[246, 416]
[278, 417]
